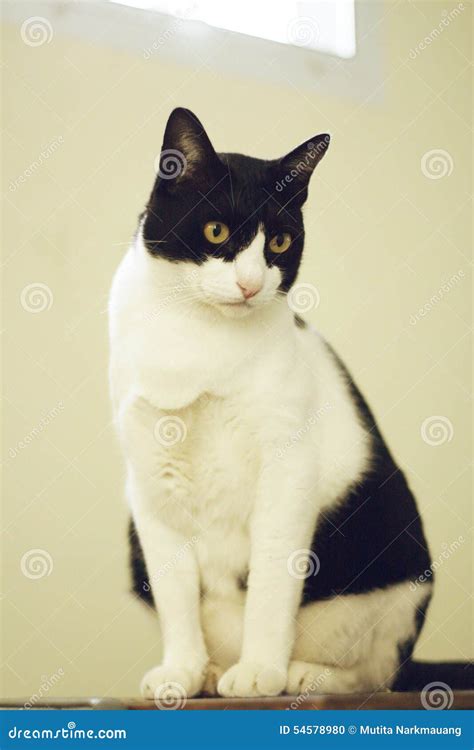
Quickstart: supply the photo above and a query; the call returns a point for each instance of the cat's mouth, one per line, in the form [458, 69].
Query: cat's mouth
[236, 303]
[230, 305]
[234, 308]
[227, 302]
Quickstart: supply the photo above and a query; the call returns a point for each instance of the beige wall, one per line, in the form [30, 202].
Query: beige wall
[382, 239]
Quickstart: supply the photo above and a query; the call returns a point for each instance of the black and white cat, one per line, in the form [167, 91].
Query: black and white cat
[272, 529]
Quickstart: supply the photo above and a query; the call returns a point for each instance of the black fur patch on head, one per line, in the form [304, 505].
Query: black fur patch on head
[195, 185]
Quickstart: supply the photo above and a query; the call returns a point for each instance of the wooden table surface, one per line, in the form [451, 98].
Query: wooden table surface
[463, 699]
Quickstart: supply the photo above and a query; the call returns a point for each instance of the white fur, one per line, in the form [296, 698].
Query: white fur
[267, 435]
[345, 644]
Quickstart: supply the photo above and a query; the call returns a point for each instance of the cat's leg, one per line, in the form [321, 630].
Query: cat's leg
[281, 525]
[175, 587]
[347, 644]
[222, 621]
[351, 644]
[157, 489]
[307, 678]
[315, 647]
[328, 633]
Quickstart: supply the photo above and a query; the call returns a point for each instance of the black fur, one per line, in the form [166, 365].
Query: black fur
[240, 191]
[140, 582]
[373, 537]
[417, 675]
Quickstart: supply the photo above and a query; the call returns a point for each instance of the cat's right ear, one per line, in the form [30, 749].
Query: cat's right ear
[296, 168]
[187, 153]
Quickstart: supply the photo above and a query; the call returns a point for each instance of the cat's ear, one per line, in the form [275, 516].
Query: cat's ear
[295, 169]
[187, 153]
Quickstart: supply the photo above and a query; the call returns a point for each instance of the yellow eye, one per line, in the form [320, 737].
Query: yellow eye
[280, 243]
[216, 232]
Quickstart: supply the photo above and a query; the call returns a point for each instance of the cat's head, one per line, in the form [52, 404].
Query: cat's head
[238, 219]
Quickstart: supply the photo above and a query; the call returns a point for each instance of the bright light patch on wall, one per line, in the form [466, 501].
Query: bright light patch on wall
[321, 25]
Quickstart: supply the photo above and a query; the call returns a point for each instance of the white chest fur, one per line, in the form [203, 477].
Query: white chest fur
[224, 465]
[245, 394]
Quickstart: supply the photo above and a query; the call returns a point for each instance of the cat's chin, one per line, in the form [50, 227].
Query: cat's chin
[232, 310]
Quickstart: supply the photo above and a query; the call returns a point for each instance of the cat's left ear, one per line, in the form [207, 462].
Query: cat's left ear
[295, 169]
[187, 153]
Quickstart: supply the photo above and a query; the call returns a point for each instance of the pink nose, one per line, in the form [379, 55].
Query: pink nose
[249, 290]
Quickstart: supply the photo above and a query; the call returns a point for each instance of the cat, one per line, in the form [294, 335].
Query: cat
[270, 525]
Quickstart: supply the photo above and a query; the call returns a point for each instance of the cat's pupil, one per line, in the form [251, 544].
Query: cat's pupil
[217, 230]
[280, 240]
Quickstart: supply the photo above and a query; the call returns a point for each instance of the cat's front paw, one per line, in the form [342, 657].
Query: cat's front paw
[170, 686]
[251, 680]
